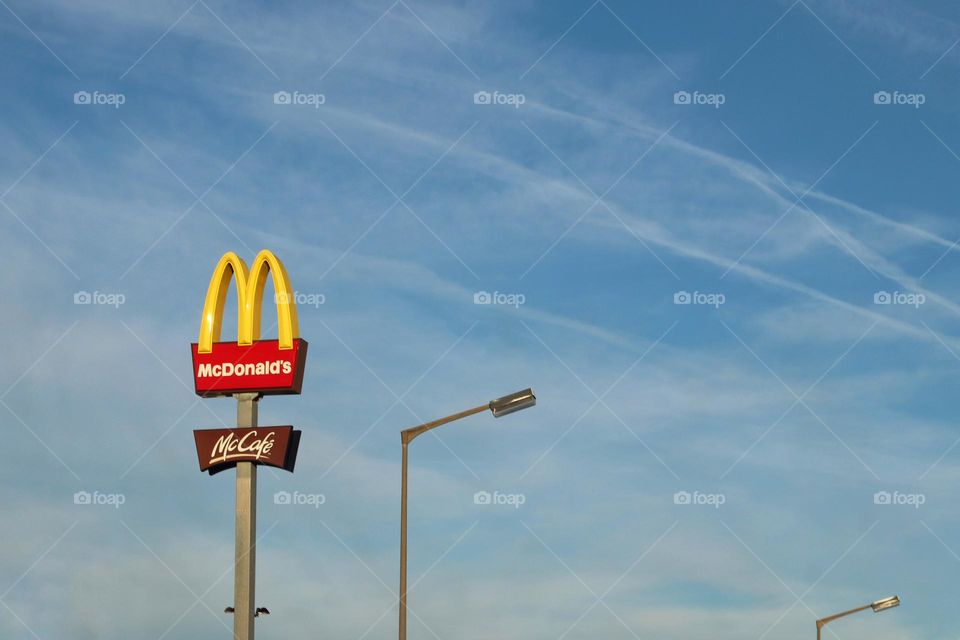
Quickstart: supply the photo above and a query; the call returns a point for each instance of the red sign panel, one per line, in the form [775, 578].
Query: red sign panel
[219, 449]
[261, 367]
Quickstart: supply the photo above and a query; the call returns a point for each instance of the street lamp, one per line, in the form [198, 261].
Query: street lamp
[879, 605]
[499, 407]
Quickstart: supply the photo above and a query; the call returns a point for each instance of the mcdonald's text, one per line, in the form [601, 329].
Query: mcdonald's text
[261, 367]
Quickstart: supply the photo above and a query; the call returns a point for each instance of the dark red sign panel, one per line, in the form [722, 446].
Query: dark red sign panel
[261, 367]
[219, 449]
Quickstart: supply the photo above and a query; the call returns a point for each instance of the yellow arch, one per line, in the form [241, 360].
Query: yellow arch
[250, 285]
[287, 323]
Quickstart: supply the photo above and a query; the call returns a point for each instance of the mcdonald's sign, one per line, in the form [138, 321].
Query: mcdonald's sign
[268, 367]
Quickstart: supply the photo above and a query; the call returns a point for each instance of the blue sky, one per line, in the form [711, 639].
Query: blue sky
[788, 169]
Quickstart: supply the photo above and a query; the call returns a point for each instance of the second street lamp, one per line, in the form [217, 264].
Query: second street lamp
[499, 407]
[879, 605]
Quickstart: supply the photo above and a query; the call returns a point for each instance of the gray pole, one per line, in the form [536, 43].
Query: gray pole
[244, 570]
[403, 542]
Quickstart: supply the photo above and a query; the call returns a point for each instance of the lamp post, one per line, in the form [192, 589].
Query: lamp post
[499, 407]
[879, 605]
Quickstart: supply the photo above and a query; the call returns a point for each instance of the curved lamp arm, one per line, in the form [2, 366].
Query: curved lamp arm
[879, 605]
[499, 407]
[823, 621]
[409, 434]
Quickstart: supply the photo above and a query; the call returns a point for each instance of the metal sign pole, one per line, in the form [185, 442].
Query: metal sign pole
[246, 553]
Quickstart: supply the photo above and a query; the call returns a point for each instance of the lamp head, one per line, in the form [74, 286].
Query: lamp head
[513, 402]
[886, 603]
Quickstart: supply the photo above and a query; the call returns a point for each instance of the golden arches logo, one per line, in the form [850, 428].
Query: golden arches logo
[250, 285]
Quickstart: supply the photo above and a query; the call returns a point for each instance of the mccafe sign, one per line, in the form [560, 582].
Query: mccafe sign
[219, 449]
